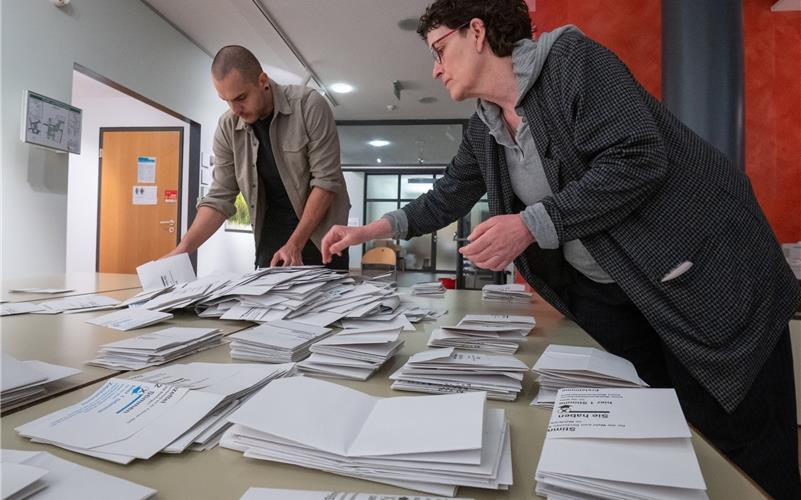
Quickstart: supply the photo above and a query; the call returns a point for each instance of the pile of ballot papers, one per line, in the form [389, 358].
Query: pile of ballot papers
[621, 444]
[38, 474]
[156, 348]
[280, 494]
[513, 292]
[279, 341]
[179, 407]
[500, 333]
[562, 366]
[25, 380]
[353, 353]
[130, 319]
[449, 370]
[430, 289]
[426, 443]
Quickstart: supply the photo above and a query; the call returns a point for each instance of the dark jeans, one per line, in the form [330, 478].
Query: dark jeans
[310, 255]
[760, 436]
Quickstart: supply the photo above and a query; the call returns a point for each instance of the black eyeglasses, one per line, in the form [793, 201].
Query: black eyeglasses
[436, 52]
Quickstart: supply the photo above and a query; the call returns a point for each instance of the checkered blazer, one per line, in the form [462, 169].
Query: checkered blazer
[644, 194]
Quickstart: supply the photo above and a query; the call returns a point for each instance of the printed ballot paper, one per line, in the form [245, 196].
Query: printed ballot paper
[165, 272]
[618, 443]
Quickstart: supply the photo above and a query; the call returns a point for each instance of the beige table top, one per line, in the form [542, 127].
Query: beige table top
[224, 474]
[79, 283]
[67, 340]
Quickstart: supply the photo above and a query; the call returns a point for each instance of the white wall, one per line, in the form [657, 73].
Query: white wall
[103, 106]
[122, 40]
[355, 183]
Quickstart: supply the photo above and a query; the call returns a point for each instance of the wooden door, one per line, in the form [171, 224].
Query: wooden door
[140, 196]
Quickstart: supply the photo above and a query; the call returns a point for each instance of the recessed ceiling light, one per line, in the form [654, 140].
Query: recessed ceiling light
[378, 143]
[341, 88]
[378, 160]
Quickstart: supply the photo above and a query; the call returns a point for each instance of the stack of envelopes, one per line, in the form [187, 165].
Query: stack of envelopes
[156, 348]
[353, 353]
[25, 380]
[129, 419]
[80, 303]
[278, 341]
[282, 494]
[512, 292]
[38, 474]
[562, 366]
[433, 288]
[426, 443]
[448, 370]
[130, 319]
[618, 444]
[485, 332]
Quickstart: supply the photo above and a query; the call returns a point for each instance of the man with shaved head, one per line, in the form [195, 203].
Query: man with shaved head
[278, 146]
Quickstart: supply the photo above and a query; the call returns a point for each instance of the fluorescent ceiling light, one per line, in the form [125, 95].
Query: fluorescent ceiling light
[341, 88]
[378, 143]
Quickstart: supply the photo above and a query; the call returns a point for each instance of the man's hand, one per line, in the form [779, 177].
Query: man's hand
[497, 241]
[338, 238]
[287, 255]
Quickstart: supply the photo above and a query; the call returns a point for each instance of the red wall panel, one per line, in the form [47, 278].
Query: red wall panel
[772, 51]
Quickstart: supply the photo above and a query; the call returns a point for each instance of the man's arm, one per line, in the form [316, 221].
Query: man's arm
[313, 213]
[207, 222]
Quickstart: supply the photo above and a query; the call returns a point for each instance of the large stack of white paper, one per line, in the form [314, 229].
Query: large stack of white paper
[280, 494]
[513, 292]
[156, 348]
[279, 341]
[621, 444]
[449, 370]
[42, 476]
[353, 353]
[562, 366]
[130, 319]
[430, 289]
[426, 443]
[25, 380]
[485, 332]
[128, 419]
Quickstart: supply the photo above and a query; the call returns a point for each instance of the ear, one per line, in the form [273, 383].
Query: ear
[477, 33]
[264, 81]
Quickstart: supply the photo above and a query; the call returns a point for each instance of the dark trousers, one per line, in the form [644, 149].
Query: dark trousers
[310, 256]
[760, 436]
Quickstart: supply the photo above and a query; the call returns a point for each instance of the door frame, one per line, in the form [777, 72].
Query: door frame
[179, 201]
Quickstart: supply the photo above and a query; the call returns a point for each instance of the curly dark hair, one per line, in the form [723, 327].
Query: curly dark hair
[506, 21]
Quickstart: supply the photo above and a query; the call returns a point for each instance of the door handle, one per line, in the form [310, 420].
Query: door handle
[170, 222]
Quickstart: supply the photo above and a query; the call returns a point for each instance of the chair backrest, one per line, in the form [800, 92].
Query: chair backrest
[380, 255]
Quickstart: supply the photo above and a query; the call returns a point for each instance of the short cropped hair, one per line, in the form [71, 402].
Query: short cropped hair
[238, 58]
[506, 21]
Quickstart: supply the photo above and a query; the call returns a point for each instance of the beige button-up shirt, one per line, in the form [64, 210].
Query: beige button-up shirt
[305, 144]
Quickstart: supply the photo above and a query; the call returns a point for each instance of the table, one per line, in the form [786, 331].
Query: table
[81, 283]
[66, 339]
[222, 473]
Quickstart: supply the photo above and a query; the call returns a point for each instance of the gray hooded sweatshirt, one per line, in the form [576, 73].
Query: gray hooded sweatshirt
[523, 160]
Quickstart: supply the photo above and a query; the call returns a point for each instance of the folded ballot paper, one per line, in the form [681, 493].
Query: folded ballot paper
[167, 410]
[25, 380]
[279, 494]
[130, 319]
[562, 366]
[618, 443]
[279, 341]
[41, 476]
[12, 308]
[156, 348]
[165, 272]
[78, 304]
[353, 353]
[430, 289]
[501, 333]
[426, 443]
[449, 370]
[513, 292]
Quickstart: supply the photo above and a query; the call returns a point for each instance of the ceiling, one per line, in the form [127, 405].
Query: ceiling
[353, 41]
